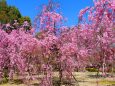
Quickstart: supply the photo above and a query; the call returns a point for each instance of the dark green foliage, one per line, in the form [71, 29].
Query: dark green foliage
[92, 69]
[10, 13]
[25, 18]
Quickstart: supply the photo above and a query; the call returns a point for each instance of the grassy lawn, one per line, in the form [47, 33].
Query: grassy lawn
[83, 78]
[107, 82]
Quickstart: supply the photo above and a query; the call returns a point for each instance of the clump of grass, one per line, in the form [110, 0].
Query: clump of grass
[17, 81]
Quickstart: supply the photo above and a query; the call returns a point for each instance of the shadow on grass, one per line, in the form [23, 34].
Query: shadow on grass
[95, 76]
[64, 82]
[15, 81]
[98, 76]
[35, 84]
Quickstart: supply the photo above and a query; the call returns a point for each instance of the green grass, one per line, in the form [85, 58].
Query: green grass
[107, 82]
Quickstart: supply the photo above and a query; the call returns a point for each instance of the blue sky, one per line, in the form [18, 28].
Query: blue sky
[69, 8]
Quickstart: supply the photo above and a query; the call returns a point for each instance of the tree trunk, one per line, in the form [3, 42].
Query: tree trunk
[60, 75]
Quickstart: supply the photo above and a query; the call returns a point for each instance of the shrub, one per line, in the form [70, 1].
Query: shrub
[92, 69]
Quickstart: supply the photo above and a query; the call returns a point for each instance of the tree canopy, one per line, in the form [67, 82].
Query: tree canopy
[11, 13]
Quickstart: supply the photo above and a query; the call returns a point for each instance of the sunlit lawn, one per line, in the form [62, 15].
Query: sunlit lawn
[84, 79]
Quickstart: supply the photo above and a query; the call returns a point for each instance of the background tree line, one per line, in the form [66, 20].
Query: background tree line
[10, 13]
